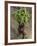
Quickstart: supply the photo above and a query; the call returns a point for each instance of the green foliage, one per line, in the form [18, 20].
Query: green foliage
[22, 16]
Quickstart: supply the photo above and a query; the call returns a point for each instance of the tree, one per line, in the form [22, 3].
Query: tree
[22, 16]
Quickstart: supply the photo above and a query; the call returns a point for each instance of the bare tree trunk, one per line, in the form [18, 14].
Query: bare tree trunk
[21, 30]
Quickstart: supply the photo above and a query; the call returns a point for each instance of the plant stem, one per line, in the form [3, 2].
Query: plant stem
[23, 36]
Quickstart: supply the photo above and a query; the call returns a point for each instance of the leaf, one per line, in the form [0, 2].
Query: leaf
[22, 15]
